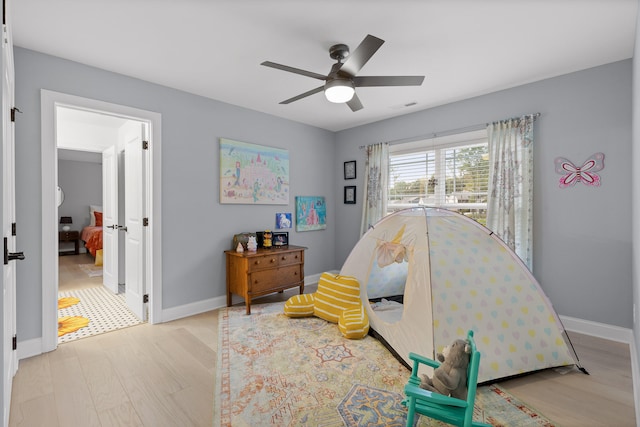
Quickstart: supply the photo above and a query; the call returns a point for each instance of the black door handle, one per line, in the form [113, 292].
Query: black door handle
[15, 255]
[10, 256]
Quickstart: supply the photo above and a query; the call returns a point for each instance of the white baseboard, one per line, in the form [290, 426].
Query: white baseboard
[186, 310]
[600, 330]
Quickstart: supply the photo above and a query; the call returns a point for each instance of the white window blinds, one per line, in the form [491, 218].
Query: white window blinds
[450, 172]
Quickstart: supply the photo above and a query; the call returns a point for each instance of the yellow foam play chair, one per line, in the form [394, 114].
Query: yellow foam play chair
[337, 300]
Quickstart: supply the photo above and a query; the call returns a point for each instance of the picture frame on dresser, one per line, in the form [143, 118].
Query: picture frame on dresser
[280, 238]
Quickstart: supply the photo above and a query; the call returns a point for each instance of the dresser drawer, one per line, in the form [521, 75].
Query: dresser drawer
[291, 274]
[290, 258]
[261, 281]
[262, 262]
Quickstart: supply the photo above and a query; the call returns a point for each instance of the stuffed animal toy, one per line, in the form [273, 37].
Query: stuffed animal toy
[450, 378]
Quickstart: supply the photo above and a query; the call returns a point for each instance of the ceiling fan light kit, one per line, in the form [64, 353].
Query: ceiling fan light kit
[339, 90]
[341, 81]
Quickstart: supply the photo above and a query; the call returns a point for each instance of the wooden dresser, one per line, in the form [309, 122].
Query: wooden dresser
[253, 274]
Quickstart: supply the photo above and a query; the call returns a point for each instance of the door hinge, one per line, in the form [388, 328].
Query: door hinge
[14, 110]
[145, 145]
[15, 342]
[145, 222]
[13, 228]
[145, 298]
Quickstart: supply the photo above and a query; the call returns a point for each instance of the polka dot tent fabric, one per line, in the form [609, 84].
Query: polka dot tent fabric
[479, 284]
[458, 276]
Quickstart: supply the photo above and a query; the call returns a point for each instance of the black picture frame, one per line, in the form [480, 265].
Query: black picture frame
[280, 238]
[350, 194]
[350, 169]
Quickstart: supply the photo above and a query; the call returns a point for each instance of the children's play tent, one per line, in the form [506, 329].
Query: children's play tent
[429, 275]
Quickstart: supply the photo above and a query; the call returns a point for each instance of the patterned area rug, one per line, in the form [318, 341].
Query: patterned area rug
[105, 311]
[277, 371]
[91, 270]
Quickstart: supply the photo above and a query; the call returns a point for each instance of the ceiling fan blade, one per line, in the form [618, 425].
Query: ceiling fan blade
[361, 55]
[365, 81]
[294, 70]
[303, 95]
[355, 103]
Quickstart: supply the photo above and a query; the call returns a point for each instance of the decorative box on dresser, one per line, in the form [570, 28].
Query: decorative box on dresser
[253, 274]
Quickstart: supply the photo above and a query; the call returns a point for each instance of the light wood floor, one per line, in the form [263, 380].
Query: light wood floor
[163, 375]
[70, 278]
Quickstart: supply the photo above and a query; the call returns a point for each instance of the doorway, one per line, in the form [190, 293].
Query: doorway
[150, 277]
[91, 295]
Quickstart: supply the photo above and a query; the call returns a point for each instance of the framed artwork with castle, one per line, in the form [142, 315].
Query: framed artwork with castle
[253, 174]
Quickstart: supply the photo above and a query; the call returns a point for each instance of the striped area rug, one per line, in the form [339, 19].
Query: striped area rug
[106, 312]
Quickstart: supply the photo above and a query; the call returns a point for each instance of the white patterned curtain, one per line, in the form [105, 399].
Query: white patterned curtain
[510, 199]
[376, 171]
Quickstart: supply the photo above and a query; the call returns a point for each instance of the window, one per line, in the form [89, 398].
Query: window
[451, 172]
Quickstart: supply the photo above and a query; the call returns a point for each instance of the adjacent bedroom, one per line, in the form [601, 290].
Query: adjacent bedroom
[86, 305]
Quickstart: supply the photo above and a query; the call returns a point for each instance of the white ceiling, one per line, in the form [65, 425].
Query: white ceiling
[214, 48]
[84, 135]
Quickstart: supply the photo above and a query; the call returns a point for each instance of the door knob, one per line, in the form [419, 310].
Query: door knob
[10, 256]
[15, 255]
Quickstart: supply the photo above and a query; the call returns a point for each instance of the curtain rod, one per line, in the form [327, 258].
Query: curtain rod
[470, 128]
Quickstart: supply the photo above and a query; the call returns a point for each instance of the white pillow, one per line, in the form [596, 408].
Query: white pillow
[92, 217]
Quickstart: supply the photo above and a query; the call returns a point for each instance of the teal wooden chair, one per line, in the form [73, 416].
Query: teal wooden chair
[454, 411]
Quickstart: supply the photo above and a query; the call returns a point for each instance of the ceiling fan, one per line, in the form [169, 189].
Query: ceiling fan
[340, 83]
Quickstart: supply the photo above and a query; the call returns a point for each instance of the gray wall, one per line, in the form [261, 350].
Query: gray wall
[582, 236]
[582, 249]
[196, 227]
[82, 186]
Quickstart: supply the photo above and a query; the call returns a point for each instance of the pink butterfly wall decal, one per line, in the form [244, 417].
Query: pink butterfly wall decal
[585, 173]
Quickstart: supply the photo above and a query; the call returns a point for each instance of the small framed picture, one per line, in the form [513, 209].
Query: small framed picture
[350, 194]
[283, 220]
[280, 238]
[350, 169]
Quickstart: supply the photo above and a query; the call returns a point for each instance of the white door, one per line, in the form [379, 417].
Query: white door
[110, 219]
[10, 364]
[135, 209]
